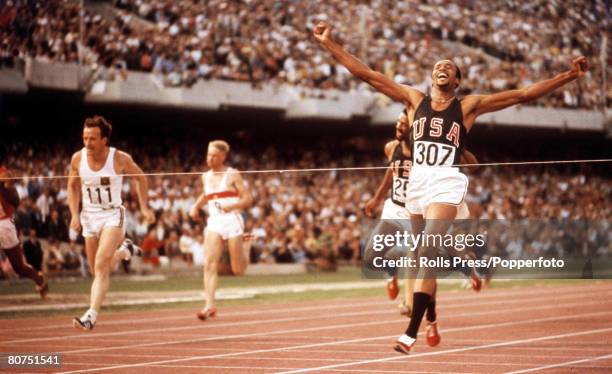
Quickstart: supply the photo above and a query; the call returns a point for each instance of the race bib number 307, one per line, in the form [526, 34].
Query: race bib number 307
[433, 154]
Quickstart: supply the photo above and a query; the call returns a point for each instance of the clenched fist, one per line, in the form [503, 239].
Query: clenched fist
[579, 67]
[322, 32]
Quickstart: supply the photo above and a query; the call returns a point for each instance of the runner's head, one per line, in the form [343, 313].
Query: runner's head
[217, 153]
[446, 75]
[401, 126]
[96, 133]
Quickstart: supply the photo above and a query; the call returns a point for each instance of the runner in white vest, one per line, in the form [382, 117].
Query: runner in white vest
[226, 195]
[95, 179]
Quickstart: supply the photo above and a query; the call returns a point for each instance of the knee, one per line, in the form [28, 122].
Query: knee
[102, 267]
[210, 265]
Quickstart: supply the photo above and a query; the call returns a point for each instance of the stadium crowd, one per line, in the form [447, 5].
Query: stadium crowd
[311, 217]
[498, 44]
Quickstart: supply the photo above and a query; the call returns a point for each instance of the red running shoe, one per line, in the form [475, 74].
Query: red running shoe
[206, 313]
[433, 336]
[392, 288]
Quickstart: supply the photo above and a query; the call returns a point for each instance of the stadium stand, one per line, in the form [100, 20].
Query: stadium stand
[499, 44]
[217, 54]
[299, 216]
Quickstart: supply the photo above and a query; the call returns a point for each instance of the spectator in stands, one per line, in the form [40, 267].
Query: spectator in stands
[32, 250]
[26, 217]
[56, 228]
[150, 247]
[282, 254]
[73, 254]
[171, 245]
[312, 210]
[53, 259]
[269, 44]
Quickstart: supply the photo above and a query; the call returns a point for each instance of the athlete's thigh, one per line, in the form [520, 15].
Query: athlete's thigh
[8, 235]
[234, 246]
[439, 217]
[110, 239]
[213, 246]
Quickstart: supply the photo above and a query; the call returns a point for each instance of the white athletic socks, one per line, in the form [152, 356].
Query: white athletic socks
[91, 315]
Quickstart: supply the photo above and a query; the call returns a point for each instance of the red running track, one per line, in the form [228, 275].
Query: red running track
[552, 329]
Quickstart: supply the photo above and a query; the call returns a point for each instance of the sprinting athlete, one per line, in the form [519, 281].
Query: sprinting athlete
[439, 126]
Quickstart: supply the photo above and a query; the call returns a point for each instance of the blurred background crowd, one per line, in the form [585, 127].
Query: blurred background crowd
[498, 44]
[303, 217]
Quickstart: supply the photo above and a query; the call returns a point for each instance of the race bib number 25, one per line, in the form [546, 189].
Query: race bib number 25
[400, 185]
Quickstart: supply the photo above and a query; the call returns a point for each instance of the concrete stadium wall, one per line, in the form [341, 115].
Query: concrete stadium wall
[294, 102]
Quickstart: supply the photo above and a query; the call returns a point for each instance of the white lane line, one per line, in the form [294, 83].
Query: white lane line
[437, 353]
[506, 354]
[259, 334]
[590, 359]
[190, 316]
[196, 326]
[259, 351]
[343, 371]
[200, 369]
[556, 349]
[444, 298]
[290, 319]
[348, 360]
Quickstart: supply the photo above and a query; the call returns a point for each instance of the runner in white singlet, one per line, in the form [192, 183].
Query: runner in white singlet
[226, 195]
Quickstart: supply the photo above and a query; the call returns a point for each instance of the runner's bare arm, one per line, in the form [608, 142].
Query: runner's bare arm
[379, 196]
[194, 212]
[245, 195]
[406, 95]
[480, 104]
[74, 191]
[128, 166]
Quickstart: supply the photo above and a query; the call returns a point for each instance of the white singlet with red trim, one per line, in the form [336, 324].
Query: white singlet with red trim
[220, 195]
[226, 224]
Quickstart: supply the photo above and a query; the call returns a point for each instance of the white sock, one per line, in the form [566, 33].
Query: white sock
[126, 253]
[406, 340]
[90, 314]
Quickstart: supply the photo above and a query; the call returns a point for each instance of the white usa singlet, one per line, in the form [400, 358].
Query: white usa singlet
[101, 190]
